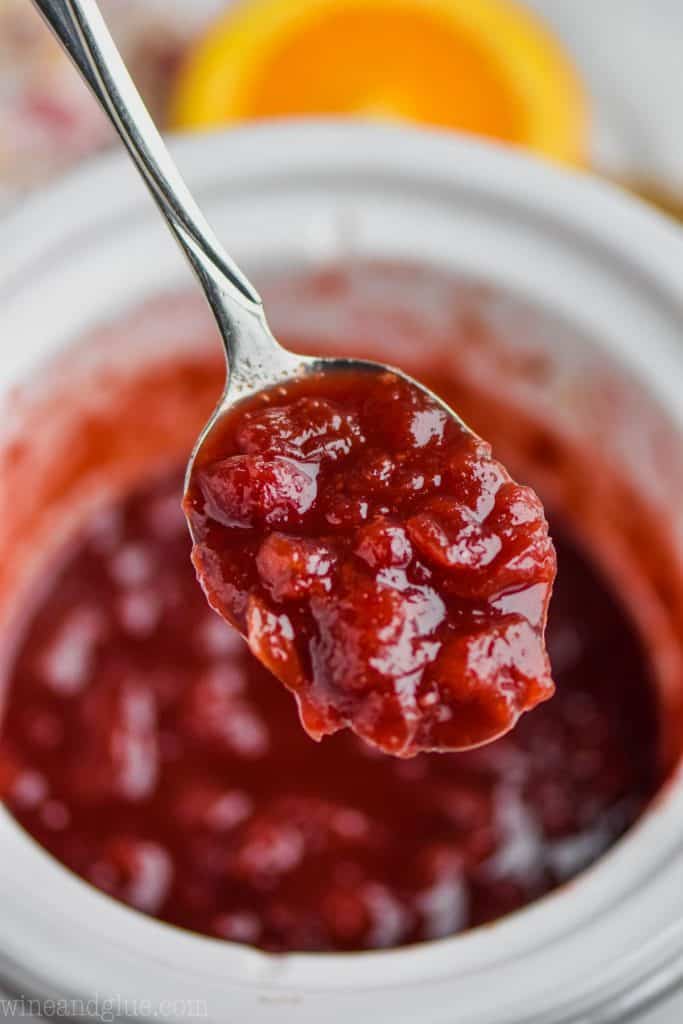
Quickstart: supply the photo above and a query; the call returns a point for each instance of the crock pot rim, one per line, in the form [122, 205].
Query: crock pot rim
[573, 202]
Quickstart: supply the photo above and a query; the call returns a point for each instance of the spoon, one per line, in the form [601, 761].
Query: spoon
[400, 658]
[256, 361]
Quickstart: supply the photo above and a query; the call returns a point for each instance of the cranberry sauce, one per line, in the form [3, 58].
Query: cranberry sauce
[379, 562]
[153, 755]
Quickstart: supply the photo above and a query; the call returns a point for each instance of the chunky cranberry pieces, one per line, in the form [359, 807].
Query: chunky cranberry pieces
[291, 567]
[250, 490]
[378, 561]
[309, 430]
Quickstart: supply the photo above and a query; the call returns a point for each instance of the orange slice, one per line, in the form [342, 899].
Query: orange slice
[480, 66]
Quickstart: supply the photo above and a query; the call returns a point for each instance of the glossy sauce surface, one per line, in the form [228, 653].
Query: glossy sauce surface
[378, 560]
[152, 754]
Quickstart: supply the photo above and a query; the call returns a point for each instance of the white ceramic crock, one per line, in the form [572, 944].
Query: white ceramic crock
[611, 942]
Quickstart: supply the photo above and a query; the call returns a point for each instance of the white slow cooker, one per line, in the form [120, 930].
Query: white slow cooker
[294, 195]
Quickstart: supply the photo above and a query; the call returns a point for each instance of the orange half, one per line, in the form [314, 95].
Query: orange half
[480, 66]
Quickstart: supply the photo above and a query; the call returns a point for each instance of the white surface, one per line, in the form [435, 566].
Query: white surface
[629, 53]
[671, 1013]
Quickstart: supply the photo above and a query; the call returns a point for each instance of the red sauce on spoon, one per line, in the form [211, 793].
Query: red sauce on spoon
[379, 562]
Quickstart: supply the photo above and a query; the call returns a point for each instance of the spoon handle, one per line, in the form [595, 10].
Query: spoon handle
[80, 28]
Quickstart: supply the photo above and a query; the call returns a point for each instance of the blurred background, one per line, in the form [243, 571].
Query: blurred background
[591, 84]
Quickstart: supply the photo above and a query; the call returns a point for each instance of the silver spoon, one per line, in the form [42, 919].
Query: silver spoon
[256, 361]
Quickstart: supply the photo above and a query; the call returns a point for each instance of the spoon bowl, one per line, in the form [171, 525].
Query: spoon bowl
[264, 368]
